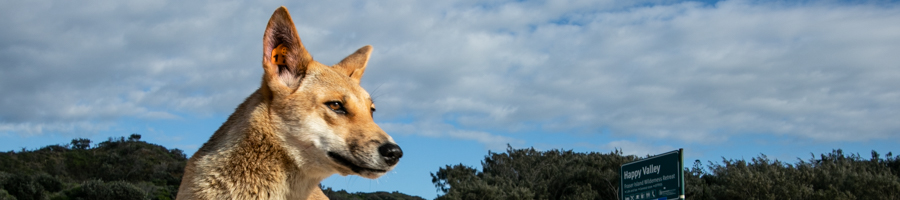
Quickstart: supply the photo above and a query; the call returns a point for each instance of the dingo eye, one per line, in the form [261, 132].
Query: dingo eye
[337, 107]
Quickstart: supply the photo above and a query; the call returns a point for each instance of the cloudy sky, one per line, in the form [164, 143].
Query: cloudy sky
[454, 79]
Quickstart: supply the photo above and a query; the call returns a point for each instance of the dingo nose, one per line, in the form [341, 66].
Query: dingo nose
[391, 153]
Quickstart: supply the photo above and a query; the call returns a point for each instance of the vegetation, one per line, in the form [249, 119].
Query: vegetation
[830, 176]
[115, 169]
[121, 168]
[531, 174]
[556, 174]
[344, 195]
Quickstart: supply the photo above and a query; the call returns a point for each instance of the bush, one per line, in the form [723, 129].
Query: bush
[81, 143]
[50, 183]
[5, 195]
[106, 191]
[23, 187]
[532, 174]
[555, 174]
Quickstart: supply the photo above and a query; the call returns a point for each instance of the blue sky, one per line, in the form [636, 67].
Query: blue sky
[454, 79]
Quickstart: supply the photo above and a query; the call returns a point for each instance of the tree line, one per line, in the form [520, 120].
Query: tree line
[115, 169]
[558, 174]
[128, 168]
[118, 168]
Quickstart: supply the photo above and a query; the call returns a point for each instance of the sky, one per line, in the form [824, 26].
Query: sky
[455, 79]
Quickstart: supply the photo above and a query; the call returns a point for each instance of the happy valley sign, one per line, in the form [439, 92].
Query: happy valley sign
[650, 169]
[657, 177]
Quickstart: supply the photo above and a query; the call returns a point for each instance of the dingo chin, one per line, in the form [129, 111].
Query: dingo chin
[306, 122]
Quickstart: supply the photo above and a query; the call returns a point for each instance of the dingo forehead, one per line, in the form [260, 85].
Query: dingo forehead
[331, 82]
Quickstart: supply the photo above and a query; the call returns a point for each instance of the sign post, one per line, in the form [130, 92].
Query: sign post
[658, 177]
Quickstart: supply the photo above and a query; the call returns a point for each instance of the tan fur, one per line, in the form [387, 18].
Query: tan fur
[306, 122]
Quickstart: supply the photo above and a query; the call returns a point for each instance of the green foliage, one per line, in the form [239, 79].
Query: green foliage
[831, 176]
[118, 168]
[531, 174]
[555, 174]
[100, 190]
[81, 143]
[344, 195]
[134, 138]
[49, 183]
[114, 169]
[23, 187]
[4, 195]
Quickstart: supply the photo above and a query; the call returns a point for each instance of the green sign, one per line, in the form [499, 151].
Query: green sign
[657, 177]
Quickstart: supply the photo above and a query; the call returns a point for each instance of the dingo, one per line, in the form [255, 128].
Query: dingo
[306, 122]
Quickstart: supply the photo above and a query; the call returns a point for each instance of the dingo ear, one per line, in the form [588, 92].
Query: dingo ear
[284, 57]
[355, 64]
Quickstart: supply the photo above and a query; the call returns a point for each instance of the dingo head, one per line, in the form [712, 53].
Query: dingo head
[321, 113]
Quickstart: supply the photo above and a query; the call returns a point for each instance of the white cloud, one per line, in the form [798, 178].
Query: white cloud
[491, 141]
[682, 70]
[685, 71]
[445, 130]
[70, 66]
[636, 148]
[41, 128]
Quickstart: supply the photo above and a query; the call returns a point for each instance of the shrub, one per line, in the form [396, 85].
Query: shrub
[23, 187]
[49, 183]
[5, 195]
[107, 191]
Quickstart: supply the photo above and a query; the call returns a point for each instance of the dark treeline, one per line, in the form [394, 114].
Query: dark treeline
[556, 174]
[531, 174]
[832, 175]
[121, 168]
[116, 169]
[344, 195]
